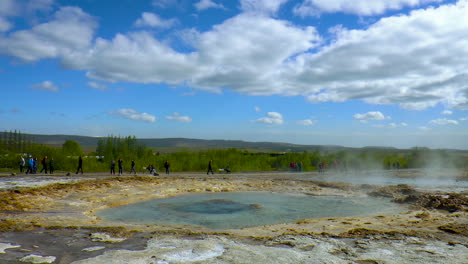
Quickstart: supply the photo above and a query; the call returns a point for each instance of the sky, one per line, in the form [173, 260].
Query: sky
[320, 72]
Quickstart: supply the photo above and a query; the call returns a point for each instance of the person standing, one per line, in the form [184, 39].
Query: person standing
[51, 166]
[35, 165]
[30, 165]
[167, 165]
[22, 164]
[112, 172]
[210, 168]
[120, 161]
[133, 167]
[80, 165]
[44, 164]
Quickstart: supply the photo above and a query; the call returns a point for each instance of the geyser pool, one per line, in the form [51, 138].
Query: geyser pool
[244, 209]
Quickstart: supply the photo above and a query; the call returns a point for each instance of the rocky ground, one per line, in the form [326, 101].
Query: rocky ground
[57, 224]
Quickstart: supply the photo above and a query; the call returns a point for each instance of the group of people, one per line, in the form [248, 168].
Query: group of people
[296, 167]
[31, 165]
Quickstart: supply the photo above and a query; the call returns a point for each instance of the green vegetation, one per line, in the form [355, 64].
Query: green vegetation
[14, 143]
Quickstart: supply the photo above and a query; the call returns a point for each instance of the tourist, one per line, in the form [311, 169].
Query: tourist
[35, 165]
[44, 164]
[80, 165]
[133, 167]
[167, 166]
[120, 162]
[210, 169]
[30, 165]
[22, 164]
[113, 167]
[51, 166]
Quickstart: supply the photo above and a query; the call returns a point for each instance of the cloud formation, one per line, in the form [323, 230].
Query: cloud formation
[259, 55]
[134, 115]
[98, 86]
[358, 7]
[307, 122]
[447, 112]
[70, 31]
[153, 20]
[271, 118]
[179, 118]
[443, 121]
[364, 118]
[46, 86]
[206, 4]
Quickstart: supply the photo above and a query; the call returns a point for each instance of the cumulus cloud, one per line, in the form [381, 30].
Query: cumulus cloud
[447, 112]
[464, 118]
[261, 6]
[134, 115]
[46, 86]
[179, 118]
[153, 20]
[364, 118]
[443, 121]
[271, 118]
[98, 86]
[358, 7]
[362, 64]
[206, 4]
[71, 30]
[307, 122]
[260, 55]
[395, 125]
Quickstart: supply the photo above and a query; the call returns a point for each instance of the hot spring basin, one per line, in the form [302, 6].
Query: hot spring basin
[244, 209]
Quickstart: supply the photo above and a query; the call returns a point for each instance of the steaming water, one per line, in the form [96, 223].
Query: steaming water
[444, 180]
[244, 209]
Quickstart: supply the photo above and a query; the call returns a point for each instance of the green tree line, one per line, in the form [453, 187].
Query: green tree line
[13, 144]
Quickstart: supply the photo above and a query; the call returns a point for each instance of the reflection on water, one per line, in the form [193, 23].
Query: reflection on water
[244, 209]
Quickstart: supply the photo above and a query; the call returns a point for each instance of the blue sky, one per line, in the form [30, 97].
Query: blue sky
[353, 73]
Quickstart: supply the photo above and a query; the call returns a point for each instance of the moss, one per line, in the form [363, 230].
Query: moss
[15, 225]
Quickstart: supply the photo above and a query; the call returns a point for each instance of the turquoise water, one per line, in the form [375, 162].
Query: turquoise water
[244, 209]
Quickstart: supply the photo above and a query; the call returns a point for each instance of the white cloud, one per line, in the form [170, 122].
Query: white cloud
[447, 112]
[364, 118]
[272, 118]
[361, 64]
[443, 121]
[395, 125]
[358, 7]
[98, 86]
[179, 118]
[8, 8]
[46, 86]
[261, 6]
[153, 20]
[307, 122]
[423, 128]
[5, 25]
[257, 109]
[259, 55]
[163, 3]
[134, 115]
[205, 4]
[70, 31]
[464, 118]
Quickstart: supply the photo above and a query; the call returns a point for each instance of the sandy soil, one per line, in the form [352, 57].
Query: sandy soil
[57, 224]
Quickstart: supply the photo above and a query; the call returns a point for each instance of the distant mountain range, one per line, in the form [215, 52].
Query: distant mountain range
[176, 144]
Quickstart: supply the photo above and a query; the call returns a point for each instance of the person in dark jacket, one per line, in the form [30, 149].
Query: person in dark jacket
[210, 168]
[167, 165]
[120, 162]
[51, 166]
[80, 165]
